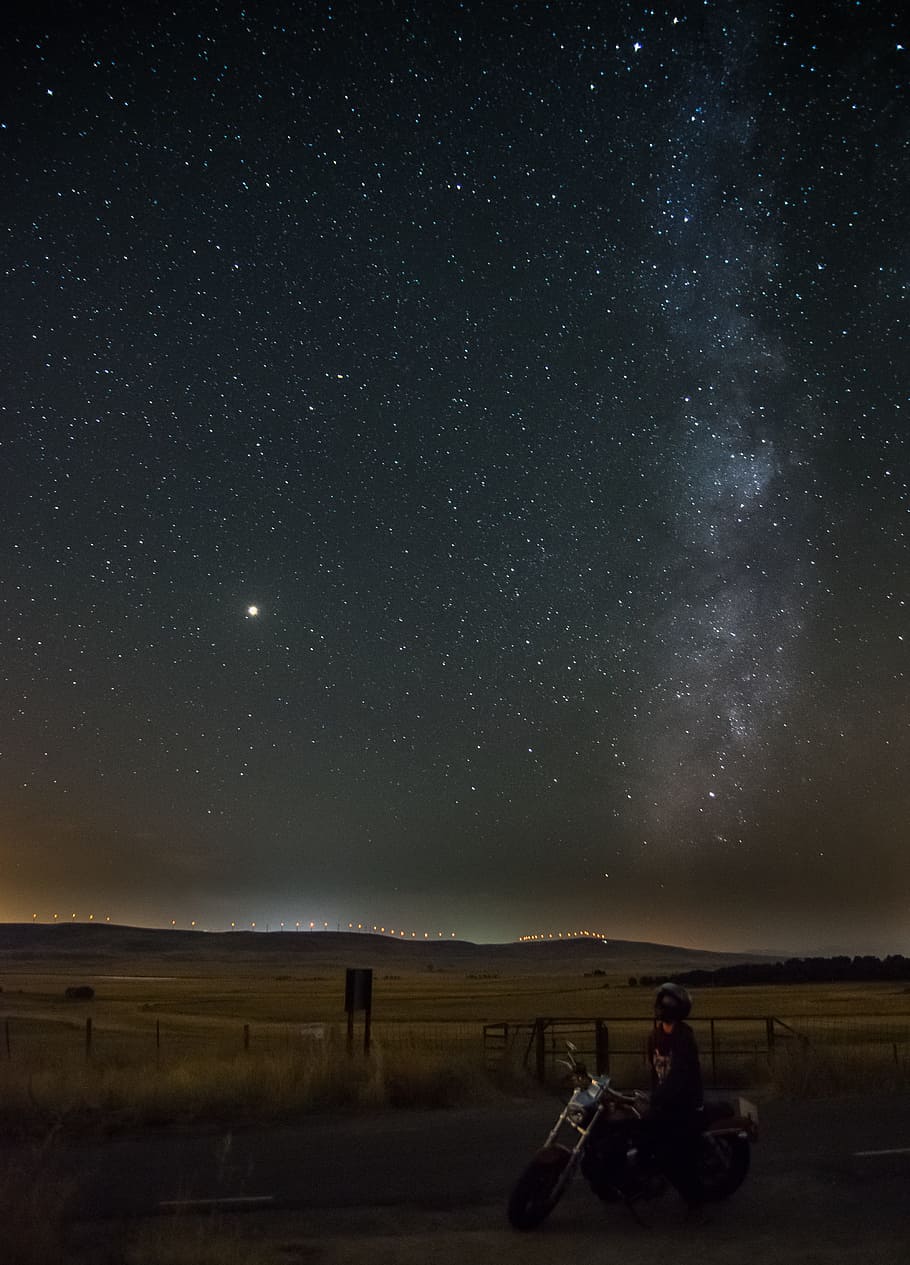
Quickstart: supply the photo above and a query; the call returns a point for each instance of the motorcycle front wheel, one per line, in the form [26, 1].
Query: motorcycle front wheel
[723, 1163]
[539, 1188]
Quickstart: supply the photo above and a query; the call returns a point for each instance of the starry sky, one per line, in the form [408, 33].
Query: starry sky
[538, 373]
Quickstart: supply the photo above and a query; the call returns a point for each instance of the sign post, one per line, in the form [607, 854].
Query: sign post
[358, 995]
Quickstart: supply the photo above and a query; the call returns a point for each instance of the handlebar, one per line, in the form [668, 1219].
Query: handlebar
[630, 1100]
[579, 1072]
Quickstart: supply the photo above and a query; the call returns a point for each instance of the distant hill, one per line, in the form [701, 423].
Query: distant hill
[81, 944]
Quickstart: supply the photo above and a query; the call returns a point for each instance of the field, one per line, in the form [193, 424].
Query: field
[140, 1015]
[176, 1041]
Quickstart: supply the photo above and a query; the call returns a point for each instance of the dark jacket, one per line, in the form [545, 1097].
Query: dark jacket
[675, 1071]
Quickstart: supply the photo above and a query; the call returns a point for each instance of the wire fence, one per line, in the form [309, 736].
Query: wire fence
[731, 1047]
[45, 1041]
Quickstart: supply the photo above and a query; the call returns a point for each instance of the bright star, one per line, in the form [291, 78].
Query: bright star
[252, 610]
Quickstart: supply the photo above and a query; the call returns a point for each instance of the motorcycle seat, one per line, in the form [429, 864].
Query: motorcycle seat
[717, 1110]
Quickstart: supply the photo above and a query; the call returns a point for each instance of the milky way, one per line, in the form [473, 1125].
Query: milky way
[456, 468]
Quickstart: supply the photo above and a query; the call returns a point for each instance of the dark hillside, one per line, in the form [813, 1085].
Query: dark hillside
[78, 944]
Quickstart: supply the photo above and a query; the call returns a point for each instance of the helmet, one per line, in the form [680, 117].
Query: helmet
[671, 1002]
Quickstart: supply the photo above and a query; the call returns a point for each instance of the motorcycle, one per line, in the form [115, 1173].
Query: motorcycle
[605, 1151]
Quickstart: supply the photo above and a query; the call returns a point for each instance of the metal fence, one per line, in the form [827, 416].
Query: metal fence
[731, 1046]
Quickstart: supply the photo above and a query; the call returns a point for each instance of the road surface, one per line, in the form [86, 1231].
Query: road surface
[830, 1184]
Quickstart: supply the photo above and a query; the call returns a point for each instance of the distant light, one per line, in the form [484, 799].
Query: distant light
[252, 611]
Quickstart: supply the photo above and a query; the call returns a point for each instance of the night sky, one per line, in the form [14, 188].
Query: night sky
[537, 373]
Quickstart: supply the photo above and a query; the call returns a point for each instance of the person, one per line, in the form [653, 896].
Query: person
[671, 1126]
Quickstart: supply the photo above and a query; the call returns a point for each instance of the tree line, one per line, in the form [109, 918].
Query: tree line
[793, 971]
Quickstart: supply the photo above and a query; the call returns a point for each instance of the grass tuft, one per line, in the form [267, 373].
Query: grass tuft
[32, 1206]
[208, 1241]
[91, 1098]
[820, 1071]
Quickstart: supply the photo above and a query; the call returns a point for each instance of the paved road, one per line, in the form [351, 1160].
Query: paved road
[397, 1187]
[434, 1159]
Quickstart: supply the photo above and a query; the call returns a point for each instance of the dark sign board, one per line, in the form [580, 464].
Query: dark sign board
[358, 989]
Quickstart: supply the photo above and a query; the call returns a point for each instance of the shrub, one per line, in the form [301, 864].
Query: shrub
[80, 992]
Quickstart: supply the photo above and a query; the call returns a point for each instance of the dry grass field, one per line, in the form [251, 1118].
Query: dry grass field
[169, 1049]
[209, 1040]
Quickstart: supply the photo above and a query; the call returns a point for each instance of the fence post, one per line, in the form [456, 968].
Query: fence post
[769, 1035]
[601, 1048]
[246, 1036]
[713, 1057]
[540, 1050]
[88, 1037]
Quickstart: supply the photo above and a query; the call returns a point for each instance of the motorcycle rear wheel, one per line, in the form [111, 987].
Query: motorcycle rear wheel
[539, 1188]
[722, 1165]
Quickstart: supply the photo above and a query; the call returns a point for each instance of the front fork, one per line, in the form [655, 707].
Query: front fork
[577, 1150]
